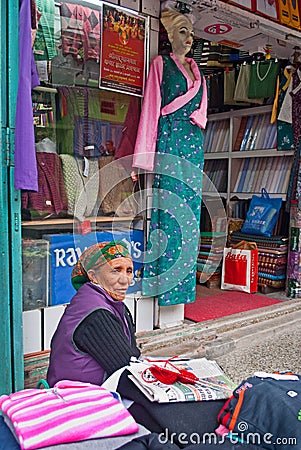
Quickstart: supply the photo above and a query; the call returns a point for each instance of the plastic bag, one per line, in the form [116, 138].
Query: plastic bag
[240, 267]
[262, 214]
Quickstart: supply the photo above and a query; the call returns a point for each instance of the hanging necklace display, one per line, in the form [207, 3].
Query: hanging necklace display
[267, 72]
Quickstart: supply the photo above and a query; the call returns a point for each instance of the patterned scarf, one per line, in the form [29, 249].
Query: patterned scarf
[94, 257]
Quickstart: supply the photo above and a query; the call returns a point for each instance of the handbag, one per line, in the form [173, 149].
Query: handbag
[240, 267]
[71, 411]
[262, 214]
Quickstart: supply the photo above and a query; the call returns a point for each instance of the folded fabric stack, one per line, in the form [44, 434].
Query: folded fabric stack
[293, 266]
[272, 257]
[210, 256]
[293, 288]
[71, 411]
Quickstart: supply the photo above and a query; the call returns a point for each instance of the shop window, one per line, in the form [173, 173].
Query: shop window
[84, 137]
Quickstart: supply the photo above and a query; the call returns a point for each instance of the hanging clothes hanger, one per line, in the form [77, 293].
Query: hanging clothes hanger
[268, 51]
[258, 56]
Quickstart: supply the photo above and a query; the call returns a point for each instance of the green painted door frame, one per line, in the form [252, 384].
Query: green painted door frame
[11, 335]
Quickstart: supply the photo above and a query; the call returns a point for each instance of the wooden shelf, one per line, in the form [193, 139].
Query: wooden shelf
[216, 155]
[66, 221]
[266, 153]
[268, 163]
[45, 89]
[248, 195]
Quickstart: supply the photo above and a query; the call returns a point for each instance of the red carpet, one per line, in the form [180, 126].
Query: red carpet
[225, 304]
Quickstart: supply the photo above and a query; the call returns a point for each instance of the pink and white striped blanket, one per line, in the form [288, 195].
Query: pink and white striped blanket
[69, 412]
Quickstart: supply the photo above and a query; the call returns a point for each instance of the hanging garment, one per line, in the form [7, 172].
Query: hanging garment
[295, 181]
[296, 106]
[85, 107]
[26, 173]
[263, 76]
[292, 193]
[216, 97]
[80, 31]
[70, 104]
[229, 88]
[286, 111]
[173, 115]
[115, 188]
[285, 137]
[88, 139]
[44, 45]
[51, 196]
[35, 17]
[242, 86]
[82, 191]
[127, 141]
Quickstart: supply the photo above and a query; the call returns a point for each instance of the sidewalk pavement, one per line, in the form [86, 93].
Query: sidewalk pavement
[266, 339]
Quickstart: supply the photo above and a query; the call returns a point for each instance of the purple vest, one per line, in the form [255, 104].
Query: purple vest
[67, 362]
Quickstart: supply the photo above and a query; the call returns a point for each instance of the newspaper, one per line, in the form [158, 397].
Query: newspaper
[212, 383]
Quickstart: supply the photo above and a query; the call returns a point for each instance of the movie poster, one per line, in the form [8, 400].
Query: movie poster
[123, 50]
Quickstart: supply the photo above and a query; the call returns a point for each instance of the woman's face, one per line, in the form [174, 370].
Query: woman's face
[115, 276]
[182, 37]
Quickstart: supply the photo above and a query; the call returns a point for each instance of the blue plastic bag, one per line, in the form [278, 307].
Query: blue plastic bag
[262, 214]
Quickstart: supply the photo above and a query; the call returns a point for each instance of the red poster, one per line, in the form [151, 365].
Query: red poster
[123, 44]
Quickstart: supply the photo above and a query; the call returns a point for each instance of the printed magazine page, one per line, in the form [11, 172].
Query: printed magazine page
[212, 383]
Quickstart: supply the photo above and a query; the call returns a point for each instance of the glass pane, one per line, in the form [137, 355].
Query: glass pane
[84, 139]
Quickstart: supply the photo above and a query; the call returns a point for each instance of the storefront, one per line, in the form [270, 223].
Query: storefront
[84, 96]
[75, 184]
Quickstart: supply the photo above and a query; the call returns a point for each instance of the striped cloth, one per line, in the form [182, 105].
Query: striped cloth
[69, 412]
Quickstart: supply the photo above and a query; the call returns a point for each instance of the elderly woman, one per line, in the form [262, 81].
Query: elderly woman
[95, 335]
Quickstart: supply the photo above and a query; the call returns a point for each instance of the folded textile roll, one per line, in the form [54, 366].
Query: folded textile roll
[245, 245]
[262, 240]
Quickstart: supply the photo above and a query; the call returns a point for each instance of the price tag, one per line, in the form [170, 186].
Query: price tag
[86, 167]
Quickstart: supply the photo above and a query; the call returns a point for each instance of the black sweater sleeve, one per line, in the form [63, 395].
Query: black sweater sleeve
[101, 335]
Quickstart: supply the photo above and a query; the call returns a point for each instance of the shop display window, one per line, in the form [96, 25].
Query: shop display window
[85, 122]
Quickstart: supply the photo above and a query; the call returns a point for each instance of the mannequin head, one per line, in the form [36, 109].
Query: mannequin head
[179, 29]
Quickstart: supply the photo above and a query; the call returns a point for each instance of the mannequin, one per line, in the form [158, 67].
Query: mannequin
[170, 143]
[180, 35]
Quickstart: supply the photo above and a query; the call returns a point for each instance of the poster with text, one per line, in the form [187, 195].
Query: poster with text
[123, 50]
[65, 250]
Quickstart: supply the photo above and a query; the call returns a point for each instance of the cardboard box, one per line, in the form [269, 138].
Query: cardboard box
[32, 331]
[52, 316]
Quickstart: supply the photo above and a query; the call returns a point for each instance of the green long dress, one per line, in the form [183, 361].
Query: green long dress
[170, 263]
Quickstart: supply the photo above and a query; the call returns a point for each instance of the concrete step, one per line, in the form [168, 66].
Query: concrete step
[221, 336]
